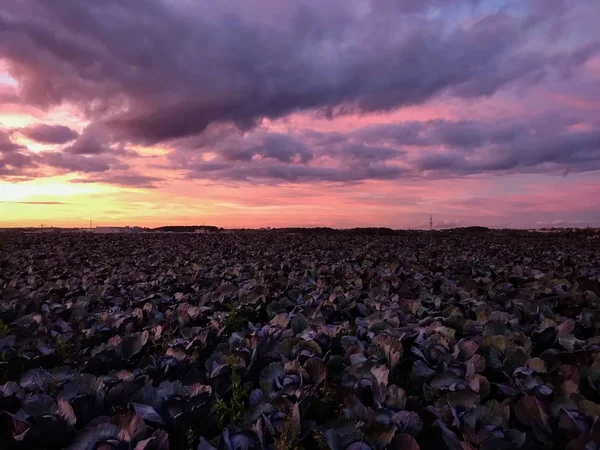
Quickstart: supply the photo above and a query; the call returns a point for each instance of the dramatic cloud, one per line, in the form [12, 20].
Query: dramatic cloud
[92, 152]
[362, 102]
[546, 143]
[465, 147]
[50, 134]
[159, 70]
[268, 156]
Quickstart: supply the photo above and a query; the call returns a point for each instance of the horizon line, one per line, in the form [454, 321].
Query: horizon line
[267, 228]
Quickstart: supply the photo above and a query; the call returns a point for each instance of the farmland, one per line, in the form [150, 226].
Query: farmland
[474, 340]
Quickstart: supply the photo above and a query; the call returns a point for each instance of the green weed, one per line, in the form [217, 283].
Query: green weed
[234, 321]
[232, 411]
[191, 438]
[288, 438]
[67, 350]
[321, 441]
[51, 387]
[3, 328]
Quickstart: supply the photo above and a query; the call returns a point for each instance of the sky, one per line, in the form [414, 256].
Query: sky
[340, 113]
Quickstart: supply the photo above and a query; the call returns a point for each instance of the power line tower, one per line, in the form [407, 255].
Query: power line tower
[430, 222]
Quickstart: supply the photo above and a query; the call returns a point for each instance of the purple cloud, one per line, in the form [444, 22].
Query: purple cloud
[50, 134]
[200, 77]
[439, 148]
[275, 146]
[6, 143]
[90, 153]
[274, 157]
[78, 163]
[123, 179]
[14, 158]
[292, 173]
[96, 139]
[147, 72]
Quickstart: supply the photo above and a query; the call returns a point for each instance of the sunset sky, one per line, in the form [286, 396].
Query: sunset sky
[336, 113]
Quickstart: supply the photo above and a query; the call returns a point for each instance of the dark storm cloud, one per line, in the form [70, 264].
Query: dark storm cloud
[158, 70]
[50, 134]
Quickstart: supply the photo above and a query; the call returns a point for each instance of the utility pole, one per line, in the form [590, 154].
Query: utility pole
[430, 222]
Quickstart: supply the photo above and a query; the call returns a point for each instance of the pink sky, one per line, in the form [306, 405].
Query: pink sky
[327, 116]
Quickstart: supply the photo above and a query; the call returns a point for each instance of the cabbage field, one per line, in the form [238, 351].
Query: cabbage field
[272, 340]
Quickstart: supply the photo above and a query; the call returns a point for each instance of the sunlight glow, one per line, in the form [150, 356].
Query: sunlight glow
[50, 189]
